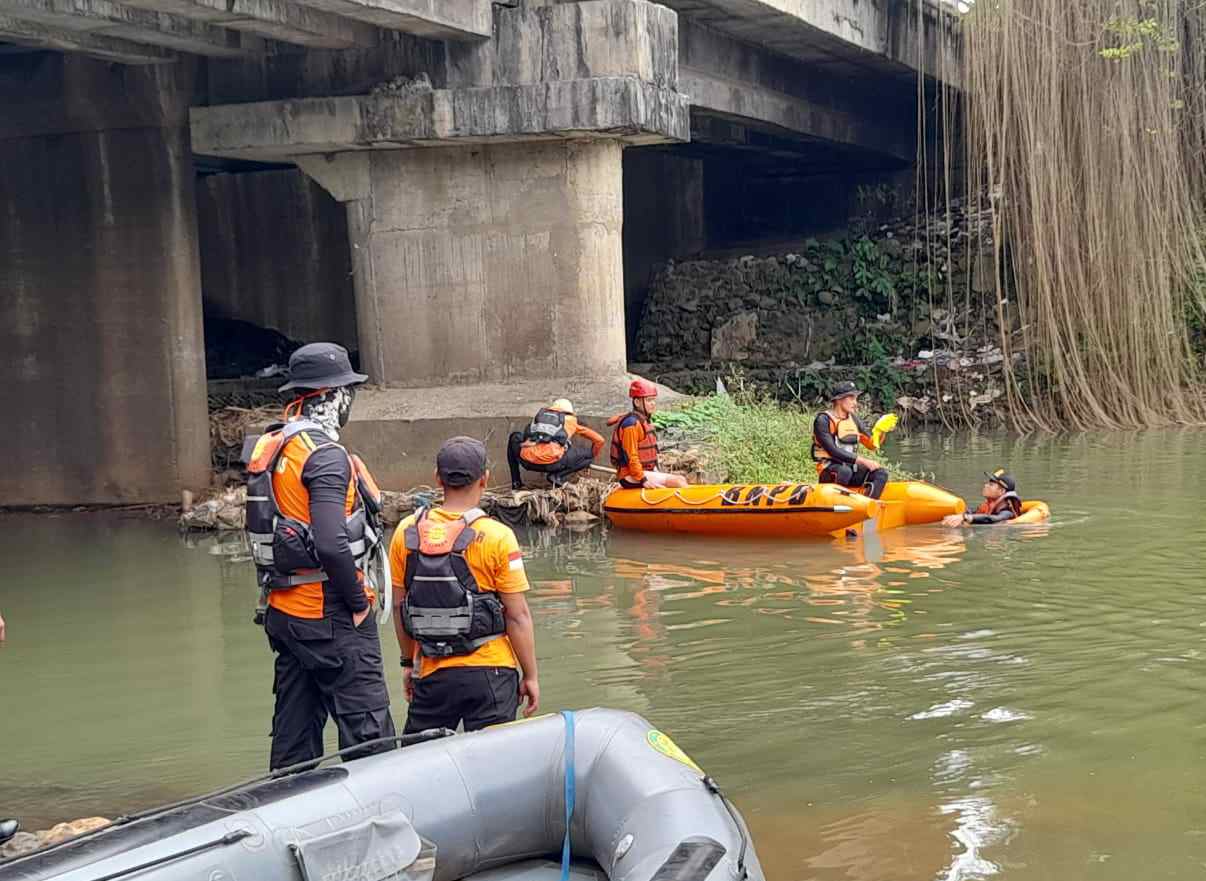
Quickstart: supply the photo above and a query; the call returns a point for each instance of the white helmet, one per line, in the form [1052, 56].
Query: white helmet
[563, 405]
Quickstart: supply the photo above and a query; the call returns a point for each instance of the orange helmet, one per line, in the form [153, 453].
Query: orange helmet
[642, 388]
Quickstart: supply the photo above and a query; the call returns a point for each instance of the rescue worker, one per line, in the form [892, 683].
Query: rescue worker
[546, 445]
[634, 450]
[308, 513]
[461, 614]
[8, 828]
[1001, 502]
[836, 435]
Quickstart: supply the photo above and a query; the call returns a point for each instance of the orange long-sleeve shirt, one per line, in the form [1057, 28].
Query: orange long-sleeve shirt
[631, 435]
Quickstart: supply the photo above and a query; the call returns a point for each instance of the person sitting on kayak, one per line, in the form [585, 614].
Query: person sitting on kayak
[634, 442]
[1001, 502]
[836, 435]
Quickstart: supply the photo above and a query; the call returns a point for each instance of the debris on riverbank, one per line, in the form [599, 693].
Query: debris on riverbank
[579, 502]
[27, 842]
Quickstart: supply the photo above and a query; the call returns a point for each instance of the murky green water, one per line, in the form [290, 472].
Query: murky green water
[1021, 703]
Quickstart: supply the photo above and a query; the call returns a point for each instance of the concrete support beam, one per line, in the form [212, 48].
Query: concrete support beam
[615, 107]
[100, 320]
[436, 19]
[849, 36]
[491, 263]
[273, 19]
[103, 18]
[36, 36]
[725, 76]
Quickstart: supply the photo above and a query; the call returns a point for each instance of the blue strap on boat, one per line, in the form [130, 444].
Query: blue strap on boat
[569, 791]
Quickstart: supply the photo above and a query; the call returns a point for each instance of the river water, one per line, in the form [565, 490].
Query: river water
[1014, 702]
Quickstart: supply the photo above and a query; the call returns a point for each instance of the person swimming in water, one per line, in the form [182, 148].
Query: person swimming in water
[1001, 502]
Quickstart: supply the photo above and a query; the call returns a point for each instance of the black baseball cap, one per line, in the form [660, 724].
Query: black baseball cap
[461, 461]
[321, 365]
[1003, 479]
[842, 389]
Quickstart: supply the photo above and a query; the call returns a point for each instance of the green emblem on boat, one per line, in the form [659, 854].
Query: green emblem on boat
[667, 747]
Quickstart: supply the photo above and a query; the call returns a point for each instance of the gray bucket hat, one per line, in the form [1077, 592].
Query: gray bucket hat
[321, 365]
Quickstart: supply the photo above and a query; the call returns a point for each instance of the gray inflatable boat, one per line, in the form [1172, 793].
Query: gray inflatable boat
[488, 806]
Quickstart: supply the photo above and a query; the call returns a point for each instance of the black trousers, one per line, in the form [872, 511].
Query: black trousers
[326, 667]
[856, 477]
[477, 696]
[575, 459]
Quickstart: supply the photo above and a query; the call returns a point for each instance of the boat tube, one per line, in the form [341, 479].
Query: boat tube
[487, 806]
[785, 510]
[916, 503]
[1032, 512]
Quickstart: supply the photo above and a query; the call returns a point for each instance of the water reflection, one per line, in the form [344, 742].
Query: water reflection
[926, 703]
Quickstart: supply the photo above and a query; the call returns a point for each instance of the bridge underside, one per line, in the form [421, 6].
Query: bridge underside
[463, 195]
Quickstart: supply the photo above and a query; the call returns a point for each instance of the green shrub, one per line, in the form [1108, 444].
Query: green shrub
[752, 439]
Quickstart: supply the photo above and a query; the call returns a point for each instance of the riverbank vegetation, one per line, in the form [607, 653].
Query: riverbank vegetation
[751, 438]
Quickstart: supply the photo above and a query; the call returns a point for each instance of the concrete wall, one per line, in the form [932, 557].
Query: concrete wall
[100, 296]
[663, 219]
[274, 251]
[490, 263]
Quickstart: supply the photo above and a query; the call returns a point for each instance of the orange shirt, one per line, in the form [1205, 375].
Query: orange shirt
[496, 562]
[548, 452]
[305, 600]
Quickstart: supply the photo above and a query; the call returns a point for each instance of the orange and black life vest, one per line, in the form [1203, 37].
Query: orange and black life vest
[846, 433]
[445, 611]
[278, 520]
[646, 449]
[1010, 500]
[548, 426]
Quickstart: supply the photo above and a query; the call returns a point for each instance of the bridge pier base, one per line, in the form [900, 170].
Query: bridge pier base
[100, 318]
[485, 263]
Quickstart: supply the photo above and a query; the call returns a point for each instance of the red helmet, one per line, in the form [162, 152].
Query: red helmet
[642, 388]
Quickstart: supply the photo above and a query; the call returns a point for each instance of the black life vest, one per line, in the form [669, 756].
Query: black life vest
[646, 449]
[548, 426]
[445, 611]
[845, 432]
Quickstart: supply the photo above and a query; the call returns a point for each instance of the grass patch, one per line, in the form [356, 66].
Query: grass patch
[754, 440]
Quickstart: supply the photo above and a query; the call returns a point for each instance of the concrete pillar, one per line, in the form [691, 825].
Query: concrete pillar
[100, 296]
[486, 263]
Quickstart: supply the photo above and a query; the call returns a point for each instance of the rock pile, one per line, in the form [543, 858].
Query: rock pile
[917, 297]
[801, 306]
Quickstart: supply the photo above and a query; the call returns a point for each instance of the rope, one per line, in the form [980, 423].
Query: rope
[570, 786]
[677, 494]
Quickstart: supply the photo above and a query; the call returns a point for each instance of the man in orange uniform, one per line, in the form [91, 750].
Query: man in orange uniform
[634, 449]
[546, 445]
[459, 587]
[310, 552]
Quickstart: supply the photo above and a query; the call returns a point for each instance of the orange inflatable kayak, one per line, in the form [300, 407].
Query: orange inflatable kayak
[785, 510]
[913, 503]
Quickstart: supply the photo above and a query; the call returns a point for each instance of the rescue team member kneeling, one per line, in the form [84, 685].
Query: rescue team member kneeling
[634, 442]
[836, 434]
[459, 587]
[546, 445]
[312, 540]
[1001, 502]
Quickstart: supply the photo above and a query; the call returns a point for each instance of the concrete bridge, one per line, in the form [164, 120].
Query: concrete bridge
[471, 194]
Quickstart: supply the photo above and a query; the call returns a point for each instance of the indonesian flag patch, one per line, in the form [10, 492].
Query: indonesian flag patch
[515, 560]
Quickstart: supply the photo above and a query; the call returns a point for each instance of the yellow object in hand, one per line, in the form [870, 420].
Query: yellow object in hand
[883, 425]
